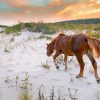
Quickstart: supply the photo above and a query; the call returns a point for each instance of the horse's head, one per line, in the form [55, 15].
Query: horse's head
[50, 49]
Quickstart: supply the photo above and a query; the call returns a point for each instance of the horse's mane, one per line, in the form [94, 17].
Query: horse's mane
[57, 36]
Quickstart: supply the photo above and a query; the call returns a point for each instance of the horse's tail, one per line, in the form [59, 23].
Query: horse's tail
[94, 44]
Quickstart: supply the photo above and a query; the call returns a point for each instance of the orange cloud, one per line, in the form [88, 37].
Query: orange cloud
[80, 10]
[56, 10]
[55, 2]
[15, 3]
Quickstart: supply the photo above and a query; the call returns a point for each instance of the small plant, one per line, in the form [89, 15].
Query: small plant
[59, 95]
[52, 94]
[98, 95]
[25, 92]
[73, 96]
[25, 82]
[17, 80]
[25, 95]
[7, 80]
[45, 65]
[6, 50]
[44, 36]
[41, 94]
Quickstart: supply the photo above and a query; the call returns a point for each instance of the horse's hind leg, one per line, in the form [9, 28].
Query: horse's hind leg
[65, 60]
[90, 55]
[81, 63]
[54, 58]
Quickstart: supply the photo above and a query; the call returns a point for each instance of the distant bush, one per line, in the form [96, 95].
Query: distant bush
[43, 36]
[96, 35]
[51, 28]
[13, 29]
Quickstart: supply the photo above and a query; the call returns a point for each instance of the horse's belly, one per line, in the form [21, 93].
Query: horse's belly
[69, 52]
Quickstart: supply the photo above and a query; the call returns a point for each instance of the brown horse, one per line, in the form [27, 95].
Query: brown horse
[75, 45]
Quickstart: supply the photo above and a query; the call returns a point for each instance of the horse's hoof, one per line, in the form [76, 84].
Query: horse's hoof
[98, 80]
[66, 69]
[79, 76]
[57, 67]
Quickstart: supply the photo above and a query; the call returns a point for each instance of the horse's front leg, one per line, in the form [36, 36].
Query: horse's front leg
[81, 63]
[65, 60]
[54, 58]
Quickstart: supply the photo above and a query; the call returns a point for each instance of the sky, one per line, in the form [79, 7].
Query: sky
[14, 11]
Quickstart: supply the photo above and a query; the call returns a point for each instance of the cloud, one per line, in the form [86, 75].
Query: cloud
[51, 10]
[38, 2]
[16, 3]
[55, 2]
[80, 10]
[68, 2]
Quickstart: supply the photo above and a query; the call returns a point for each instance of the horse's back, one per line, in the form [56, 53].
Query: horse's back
[71, 44]
[79, 43]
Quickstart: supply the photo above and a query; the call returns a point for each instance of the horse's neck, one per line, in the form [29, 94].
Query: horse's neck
[67, 36]
[53, 41]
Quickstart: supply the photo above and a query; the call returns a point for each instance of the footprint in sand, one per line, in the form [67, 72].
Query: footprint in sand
[56, 80]
[9, 70]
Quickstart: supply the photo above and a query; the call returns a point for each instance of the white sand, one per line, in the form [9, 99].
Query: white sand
[25, 55]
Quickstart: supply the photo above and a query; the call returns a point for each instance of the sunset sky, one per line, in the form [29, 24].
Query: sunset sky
[14, 11]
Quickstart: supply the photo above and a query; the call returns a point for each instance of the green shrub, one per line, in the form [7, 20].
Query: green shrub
[51, 28]
[13, 29]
